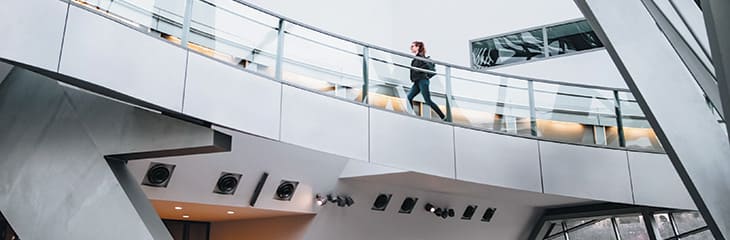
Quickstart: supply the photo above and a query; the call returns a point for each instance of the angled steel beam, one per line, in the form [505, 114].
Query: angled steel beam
[668, 95]
[717, 20]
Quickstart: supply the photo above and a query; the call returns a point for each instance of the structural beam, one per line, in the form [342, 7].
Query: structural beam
[669, 96]
[57, 163]
[717, 20]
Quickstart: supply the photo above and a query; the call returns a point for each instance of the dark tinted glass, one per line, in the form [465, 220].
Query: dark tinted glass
[512, 48]
[571, 37]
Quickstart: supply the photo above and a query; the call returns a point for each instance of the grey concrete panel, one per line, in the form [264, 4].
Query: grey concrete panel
[195, 176]
[231, 97]
[411, 143]
[586, 172]
[32, 32]
[118, 129]
[51, 173]
[656, 183]
[498, 160]
[117, 57]
[359, 222]
[324, 123]
[696, 144]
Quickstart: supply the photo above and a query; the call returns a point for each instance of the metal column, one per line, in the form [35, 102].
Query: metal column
[668, 95]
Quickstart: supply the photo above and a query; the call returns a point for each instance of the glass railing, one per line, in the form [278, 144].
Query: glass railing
[259, 41]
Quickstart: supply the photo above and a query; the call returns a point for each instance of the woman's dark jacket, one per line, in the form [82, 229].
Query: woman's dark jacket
[416, 74]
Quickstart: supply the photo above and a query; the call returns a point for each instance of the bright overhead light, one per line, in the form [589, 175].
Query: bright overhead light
[230, 212]
[186, 216]
[178, 208]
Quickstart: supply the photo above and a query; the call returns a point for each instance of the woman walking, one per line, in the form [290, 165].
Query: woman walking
[420, 79]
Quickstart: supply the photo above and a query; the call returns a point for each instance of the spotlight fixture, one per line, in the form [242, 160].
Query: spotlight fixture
[488, 214]
[407, 205]
[430, 208]
[469, 212]
[320, 200]
[381, 202]
[341, 200]
[439, 212]
[286, 190]
[158, 174]
[227, 183]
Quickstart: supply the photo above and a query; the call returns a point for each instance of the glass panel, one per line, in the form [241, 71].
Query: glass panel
[322, 63]
[688, 221]
[558, 228]
[637, 131]
[632, 228]
[704, 235]
[571, 37]
[163, 17]
[602, 230]
[575, 114]
[390, 84]
[665, 227]
[490, 102]
[235, 34]
[513, 48]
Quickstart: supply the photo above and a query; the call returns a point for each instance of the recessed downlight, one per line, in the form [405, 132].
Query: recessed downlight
[186, 216]
[229, 212]
[178, 208]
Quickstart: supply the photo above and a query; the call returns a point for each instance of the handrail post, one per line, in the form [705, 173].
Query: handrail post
[365, 75]
[533, 113]
[185, 35]
[619, 120]
[279, 50]
[449, 94]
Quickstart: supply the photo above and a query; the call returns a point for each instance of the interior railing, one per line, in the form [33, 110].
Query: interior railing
[285, 50]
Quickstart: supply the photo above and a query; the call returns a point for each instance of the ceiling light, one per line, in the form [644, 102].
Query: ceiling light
[186, 216]
[229, 212]
[178, 208]
[286, 190]
[227, 183]
[158, 174]
[408, 204]
[429, 207]
[320, 200]
[488, 214]
[381, 202]
[469, 212]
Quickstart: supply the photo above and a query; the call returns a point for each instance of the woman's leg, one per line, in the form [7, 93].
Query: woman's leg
[427, 97]
[412, 94]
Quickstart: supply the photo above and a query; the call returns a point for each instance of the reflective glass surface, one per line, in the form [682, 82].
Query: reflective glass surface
[663, 225]
[602, 230]
[322, 63]
[704, 235]
[632, 228]
[163, 17]
[571, 37]
[575, 114]
[235, 34]
[512, 48]
[688, 221]
[638, 133]
[490, 102]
